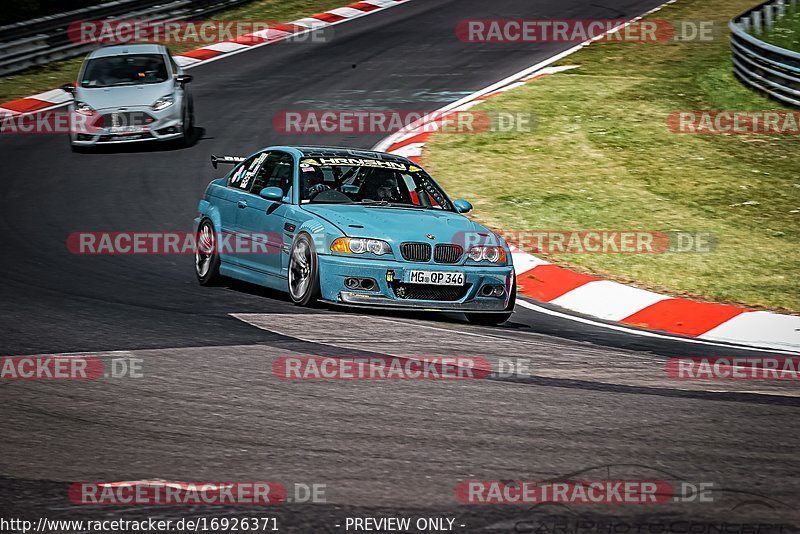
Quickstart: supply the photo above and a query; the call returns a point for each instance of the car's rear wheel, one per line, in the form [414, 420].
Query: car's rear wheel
[304, 272]
[206, 256]
[493, 319]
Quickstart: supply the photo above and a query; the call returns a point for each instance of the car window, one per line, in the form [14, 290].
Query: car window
[242, 176]
[276, 171]
[175, 68]
[128, 69]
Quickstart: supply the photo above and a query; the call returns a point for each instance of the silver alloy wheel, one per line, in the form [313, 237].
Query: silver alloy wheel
[300, 270]
[205, 250]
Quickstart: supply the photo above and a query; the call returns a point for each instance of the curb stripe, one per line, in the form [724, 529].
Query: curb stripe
[202, 53]
[547, 282]
[25, 105]
[681, 316]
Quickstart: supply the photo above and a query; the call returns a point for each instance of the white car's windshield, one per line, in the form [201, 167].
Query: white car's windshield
[370, 182]
[125, 70]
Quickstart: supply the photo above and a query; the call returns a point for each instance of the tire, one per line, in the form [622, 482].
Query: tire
[186, 139]
[206, 256]
[303, 283]
[77, 149]
[494, 319]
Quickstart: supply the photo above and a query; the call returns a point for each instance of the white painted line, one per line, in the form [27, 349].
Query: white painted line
[607, 300]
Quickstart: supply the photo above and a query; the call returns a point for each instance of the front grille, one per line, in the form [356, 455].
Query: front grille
[429, 292]
[447, 253]
[416, 251]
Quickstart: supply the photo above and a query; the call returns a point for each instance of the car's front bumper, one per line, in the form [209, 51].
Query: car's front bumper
[164, 125]
[334, 270]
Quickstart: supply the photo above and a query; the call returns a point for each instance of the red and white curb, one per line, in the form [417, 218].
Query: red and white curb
[603, 299]
[56, 97]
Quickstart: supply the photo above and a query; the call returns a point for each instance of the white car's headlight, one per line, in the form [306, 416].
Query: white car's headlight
[163, 102]
[490, 254]
[83, 108]
[358, 245]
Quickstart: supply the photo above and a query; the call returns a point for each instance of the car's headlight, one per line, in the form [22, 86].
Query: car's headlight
[358, 245]
[490, 254]
[83, 108]
[163, 102]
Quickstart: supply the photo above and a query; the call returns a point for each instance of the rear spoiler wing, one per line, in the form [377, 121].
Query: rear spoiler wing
[226, 160]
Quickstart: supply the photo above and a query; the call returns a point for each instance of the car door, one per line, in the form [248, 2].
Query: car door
[260, 223]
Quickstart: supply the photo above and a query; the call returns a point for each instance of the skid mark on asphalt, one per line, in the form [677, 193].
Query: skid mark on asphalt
[577, 362]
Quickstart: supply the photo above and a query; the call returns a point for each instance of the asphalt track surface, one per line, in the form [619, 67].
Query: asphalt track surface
[209, 407]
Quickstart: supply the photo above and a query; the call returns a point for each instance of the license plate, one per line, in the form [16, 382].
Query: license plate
[436, 278]
[121, 130]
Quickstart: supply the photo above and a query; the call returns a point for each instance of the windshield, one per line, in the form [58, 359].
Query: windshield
[369, 182]
[125, 70]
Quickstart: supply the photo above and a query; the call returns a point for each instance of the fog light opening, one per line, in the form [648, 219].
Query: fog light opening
[367, 284]
[351, 283]
[492, 291]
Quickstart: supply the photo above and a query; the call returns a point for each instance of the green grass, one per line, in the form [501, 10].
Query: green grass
[602, 157]
[39, 79]
[786, 32]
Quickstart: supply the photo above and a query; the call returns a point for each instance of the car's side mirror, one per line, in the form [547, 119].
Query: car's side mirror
[272, 193]
[462, 206]
[68, 88]
[183, 79]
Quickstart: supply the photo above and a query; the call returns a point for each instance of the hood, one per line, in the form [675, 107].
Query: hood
[124, 95]
[397, 224]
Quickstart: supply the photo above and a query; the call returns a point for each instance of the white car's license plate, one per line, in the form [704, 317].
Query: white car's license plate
[122, 130]
[437, 278]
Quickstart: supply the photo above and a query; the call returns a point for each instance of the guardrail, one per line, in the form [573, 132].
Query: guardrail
[44, 40]
[768, 68]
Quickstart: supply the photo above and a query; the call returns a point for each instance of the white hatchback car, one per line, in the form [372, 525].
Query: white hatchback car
[129, 93]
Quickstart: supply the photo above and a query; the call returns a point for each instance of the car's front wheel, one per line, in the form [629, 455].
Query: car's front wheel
[206, 255]
[303, 272]
[493, 319]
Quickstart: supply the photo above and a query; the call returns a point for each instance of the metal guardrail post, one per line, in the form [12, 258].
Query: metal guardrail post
[755, 16]
[768, 17]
